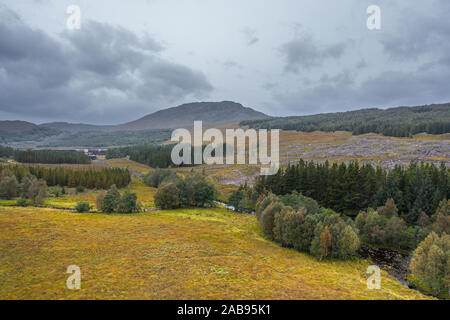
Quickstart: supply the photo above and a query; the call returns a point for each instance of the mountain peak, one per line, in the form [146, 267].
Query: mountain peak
[186, 114]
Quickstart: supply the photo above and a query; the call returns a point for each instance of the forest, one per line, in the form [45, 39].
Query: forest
[51, 156]
[155, 156]
[88, 178]
[351, 188]
[396, 122]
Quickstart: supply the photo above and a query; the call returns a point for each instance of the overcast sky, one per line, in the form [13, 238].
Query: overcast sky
[282, 57]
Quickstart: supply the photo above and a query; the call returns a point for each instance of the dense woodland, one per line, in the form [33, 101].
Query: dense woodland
[155, 156]
[45, 156]
[397, 122]
[88, 178]
[151, 155]
[51, 156]
[354, 187]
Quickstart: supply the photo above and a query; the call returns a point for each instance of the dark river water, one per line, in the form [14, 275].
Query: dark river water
[395, 263]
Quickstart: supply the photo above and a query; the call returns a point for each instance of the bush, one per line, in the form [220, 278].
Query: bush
[22, 202]
[236, 197]
[79, 189]
[82, 206]
[167, 197]
[156, 178]
[267, 219]
[127, 203]
[431, 263]
[37, 191]
[109, 203]
[8, 187]
[100, 201]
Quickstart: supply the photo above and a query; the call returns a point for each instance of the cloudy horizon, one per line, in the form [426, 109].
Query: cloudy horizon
[287, 57]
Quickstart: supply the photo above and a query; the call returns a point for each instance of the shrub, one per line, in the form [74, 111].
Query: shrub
[27, 180]
[22, 202]
[263, 202]
[82, 206]
[203, 193]
[100, 201]
[79, 189]
[109, 203]
[267, 219]
[235, 198]
[157, 177]
[431, 263]
[8, 187]
[127, 203]
[167, 197]
[38, 191]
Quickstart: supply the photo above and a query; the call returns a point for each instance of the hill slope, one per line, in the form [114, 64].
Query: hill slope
[178, 254]
[186, 114]
[397, 122]
[74, 127]
[16, 126]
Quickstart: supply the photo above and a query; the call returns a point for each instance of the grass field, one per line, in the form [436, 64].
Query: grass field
[181, 254]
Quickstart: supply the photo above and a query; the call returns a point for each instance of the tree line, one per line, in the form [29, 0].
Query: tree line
[51, 156]
[397, 122]
[89, 178]
[351, 188]
[155, 156]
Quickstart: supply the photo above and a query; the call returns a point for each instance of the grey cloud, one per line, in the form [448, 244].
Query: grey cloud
[303, 52]
[250, 36]
[420, 34]
[100, 72]
[391, 88]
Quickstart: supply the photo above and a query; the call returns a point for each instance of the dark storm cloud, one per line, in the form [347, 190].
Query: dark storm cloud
[101, 72]
[303, 52]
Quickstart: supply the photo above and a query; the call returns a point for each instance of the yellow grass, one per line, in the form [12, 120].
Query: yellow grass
[181, 254]
[128, 164]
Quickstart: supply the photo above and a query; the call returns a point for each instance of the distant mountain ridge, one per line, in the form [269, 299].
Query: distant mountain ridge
[183, 115]
[186, 114]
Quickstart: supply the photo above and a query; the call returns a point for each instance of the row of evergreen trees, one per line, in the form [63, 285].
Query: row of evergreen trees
[351, 188]
[89, 178]
[151, 155]
[51, 156]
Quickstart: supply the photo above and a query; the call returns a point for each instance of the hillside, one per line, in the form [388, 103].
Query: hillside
[74, 127]
[397, 122]
[16, 126]
[177, 254]
[186, 114]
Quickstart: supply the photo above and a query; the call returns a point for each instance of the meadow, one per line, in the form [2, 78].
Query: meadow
[177, 254]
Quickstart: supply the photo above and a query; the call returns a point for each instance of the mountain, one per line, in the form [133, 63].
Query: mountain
[186, 114]
[16, 126]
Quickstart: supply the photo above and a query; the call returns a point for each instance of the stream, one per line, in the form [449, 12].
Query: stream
[395, 263]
